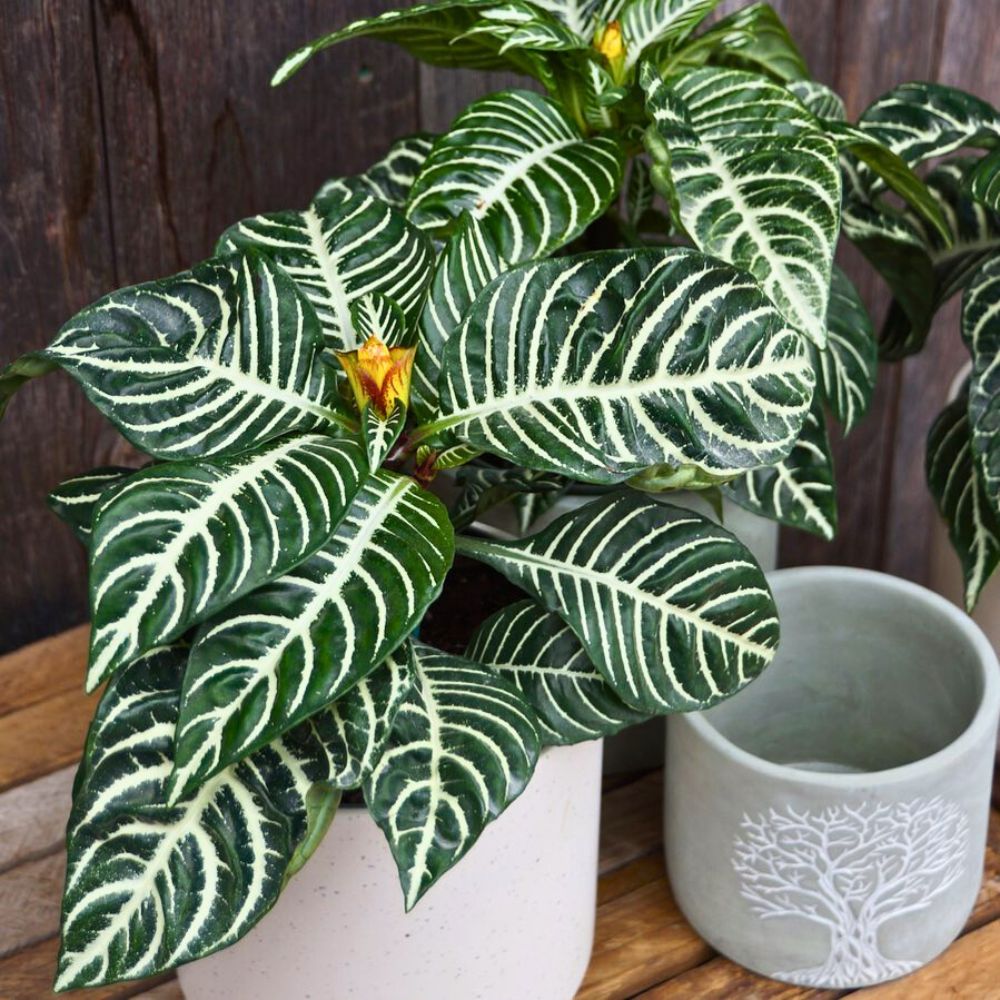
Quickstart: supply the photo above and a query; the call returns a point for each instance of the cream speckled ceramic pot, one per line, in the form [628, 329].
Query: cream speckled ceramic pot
[515, 918]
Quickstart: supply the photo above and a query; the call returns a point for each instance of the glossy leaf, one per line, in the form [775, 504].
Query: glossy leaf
[539, 654]
[463, 747]
[75, 500]
[848, 365]
[819, 99]
[148, 885]
[671, 608]
[645, 23]
[354, 730]
[210, 362]
[178, 542]
[339, 251]
[981, 332]
[920, 121]
[388, 179]
[956, 482]
[511, 181]
[280, 654]
[20, 371]
[484, 487]
[798, 491]
[599, 366]
[759, 188]
[435, 33]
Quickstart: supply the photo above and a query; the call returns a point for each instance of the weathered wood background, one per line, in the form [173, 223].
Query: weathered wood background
[133, 131]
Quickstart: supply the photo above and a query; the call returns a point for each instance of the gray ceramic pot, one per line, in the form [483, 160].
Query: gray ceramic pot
[826, 826]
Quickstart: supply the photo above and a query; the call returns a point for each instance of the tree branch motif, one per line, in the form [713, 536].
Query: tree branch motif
[851, 869]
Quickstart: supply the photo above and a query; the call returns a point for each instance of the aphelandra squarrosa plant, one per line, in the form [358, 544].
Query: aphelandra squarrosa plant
[625, 282]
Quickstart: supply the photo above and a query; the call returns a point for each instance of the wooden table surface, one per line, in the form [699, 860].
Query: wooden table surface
[643, 946]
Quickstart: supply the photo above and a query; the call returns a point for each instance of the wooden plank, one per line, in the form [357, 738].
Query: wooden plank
[445, 92]
[197, 137]
[44, 737]
[969, 968]
[36, 672]
[33, 817]
[29, 899]
[54, 258]
[721, 979]
[641, 939]
[28, 975]
[631, 822]
[633, 876]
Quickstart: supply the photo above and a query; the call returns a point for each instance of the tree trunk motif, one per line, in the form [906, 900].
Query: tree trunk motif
[851, 869]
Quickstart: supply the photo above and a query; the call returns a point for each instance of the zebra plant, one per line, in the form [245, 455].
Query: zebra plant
[625, 281]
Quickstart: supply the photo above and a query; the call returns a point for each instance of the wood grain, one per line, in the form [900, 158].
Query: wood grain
[631, 822]
[33, 817]
[43, 669]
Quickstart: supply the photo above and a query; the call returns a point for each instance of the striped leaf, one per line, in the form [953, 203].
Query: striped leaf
[483, 487]
[848, 365]
[520, 25]
[435, 33]
[798, 491]
[389, 179]
[753, 38]
[983, 181]
[819, 99]
[922, 269]
[210, 362]
[761, 186]
[671, 608]
[76, 499]
[646, 23]
[956, 483]
[511, 181]
[981, 332]
[539, 654]
[920, 121]
[354, 730]
[150, 886]
[338, 251]
[280, 654]
[463, 747]
[599, 366]
[583, 17]
[178, 542]
[380, 435]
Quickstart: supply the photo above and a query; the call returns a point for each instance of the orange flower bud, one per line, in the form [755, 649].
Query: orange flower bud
[379, 375]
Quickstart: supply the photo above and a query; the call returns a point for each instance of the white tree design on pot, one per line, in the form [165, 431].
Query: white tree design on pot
[851, 869]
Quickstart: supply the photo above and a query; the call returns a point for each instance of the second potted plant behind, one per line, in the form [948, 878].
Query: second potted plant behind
[255, 590]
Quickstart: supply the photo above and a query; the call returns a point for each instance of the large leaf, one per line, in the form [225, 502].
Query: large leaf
[212, 361]
[602, 365]
[76, 499]
[759, 188]
[338, 251]
[919, 121]
[511, 181]
[583, 17]
[20, 371]
[150, 886]
[538, 653]
[670, 607]
[389, 179]
[798, 491]
[180, 541]
[981, 332]
[848, 365]
[956, 483]
[645, 23]
[435, 32]
[463, 747]
[283, 652]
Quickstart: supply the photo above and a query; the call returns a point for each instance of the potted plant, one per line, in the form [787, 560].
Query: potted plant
[625, 282]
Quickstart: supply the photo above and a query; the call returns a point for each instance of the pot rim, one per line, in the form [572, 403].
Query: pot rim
[981, 725]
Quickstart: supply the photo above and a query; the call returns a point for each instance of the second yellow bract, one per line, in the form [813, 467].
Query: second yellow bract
[379, 375]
